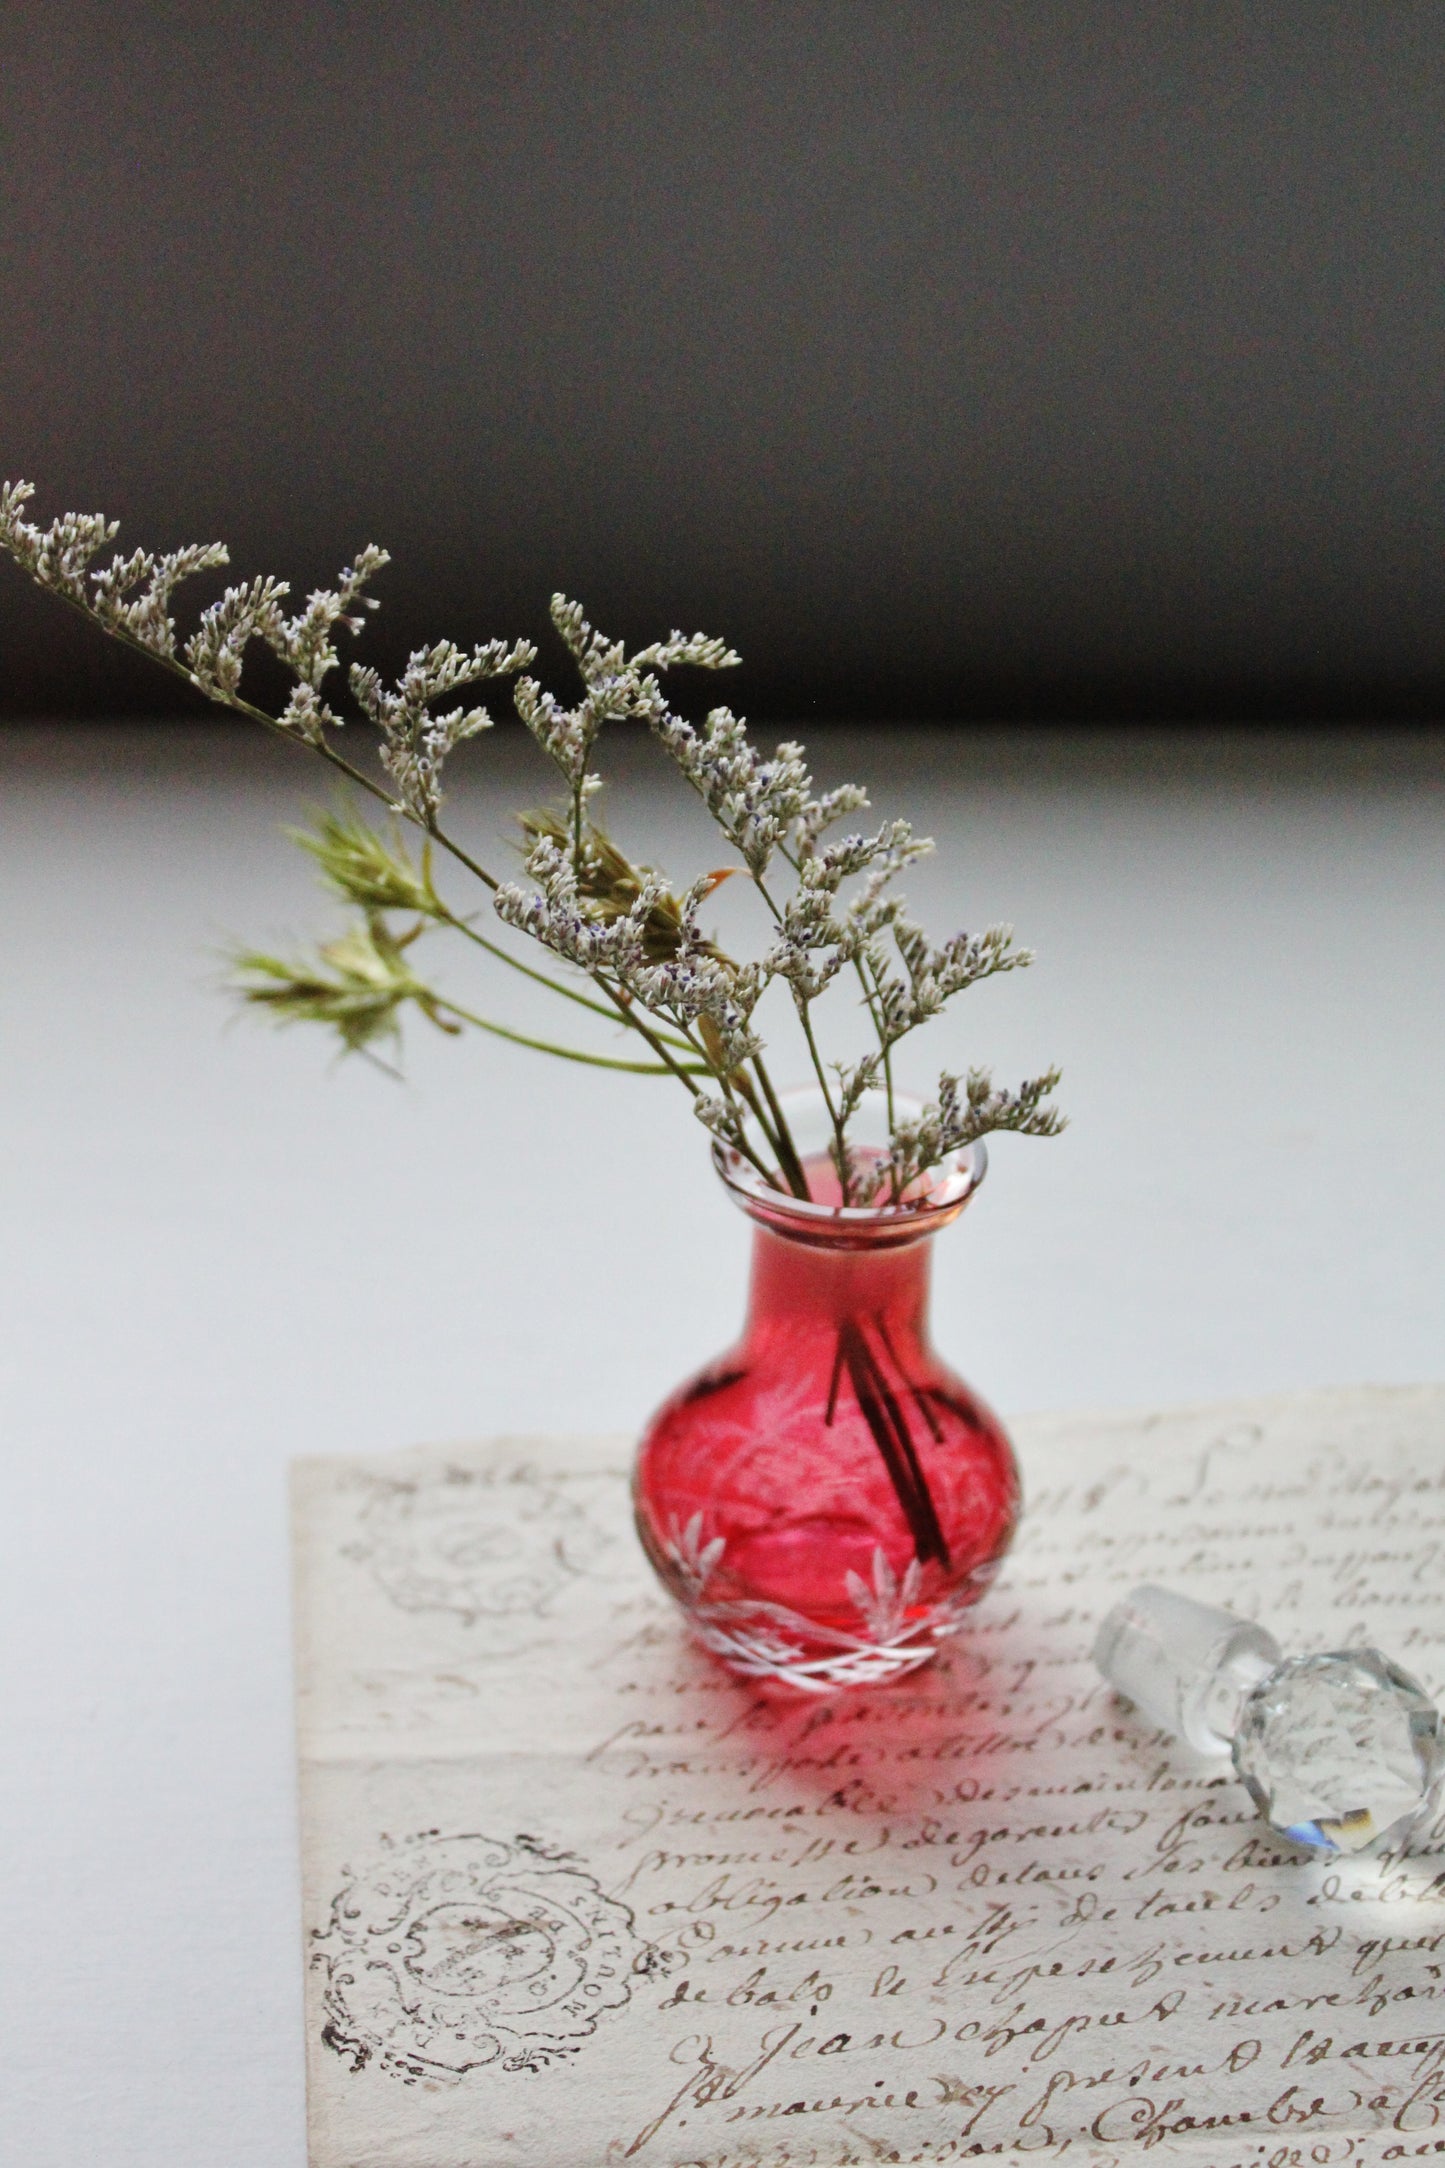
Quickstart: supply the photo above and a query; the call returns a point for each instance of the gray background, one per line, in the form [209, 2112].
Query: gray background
[951, 358]
[971, 361]
[224, 1251]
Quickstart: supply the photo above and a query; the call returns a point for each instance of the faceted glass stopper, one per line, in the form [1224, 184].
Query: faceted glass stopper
[1185, 1665]
[1340, 1752]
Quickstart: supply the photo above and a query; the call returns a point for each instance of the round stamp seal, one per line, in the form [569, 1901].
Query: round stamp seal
[493, 1544]
[451, 1952]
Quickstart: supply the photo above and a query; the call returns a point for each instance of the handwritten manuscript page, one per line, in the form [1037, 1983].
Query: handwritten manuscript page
[575, 1897]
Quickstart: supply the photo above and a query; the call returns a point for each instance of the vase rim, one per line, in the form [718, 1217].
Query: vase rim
[949, 1188]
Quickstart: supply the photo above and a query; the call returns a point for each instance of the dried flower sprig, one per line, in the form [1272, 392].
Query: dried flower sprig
[831, 905]
[360, 984]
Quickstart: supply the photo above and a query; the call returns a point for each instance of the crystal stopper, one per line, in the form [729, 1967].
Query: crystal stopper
[1340, 1751]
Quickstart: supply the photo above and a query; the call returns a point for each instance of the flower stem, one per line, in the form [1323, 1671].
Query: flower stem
[870, 992]
[568, 993]
[548, 1046]
[788, 1159]
[800, 1002]
[840, 1140]
[740, 1084]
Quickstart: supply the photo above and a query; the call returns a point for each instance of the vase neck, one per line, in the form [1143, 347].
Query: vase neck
[800, 1281]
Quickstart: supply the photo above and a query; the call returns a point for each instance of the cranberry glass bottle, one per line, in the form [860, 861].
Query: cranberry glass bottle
[826, 1499]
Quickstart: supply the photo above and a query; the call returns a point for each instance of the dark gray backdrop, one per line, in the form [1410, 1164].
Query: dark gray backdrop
[1054, 359]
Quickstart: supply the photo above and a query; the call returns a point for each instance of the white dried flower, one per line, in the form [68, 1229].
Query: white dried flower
[415, 743]
[146, 617]
[304, 642]
[722, 1118]
[308, 715]
[832, 905]
[216, 650]
[58, 555]
[556, 914]
[964, 1111]
[753, 800]
[614, 686]
[699, 649]
[654, 951]
[820, 813]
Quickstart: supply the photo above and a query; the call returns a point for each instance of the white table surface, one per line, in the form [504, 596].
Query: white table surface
[224, 1251]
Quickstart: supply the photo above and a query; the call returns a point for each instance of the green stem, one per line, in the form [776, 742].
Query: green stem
[364, 782]
[359, 777]
[704, 1066]
[870, 993]
[627, 1011]
[738, 1083]
[884, 1044]
[439, 835]
[782, 1142]
[548, 1046]
[801, 1004]
[248, 708]
[840, 1141]
[788, 1160]
[568, 993]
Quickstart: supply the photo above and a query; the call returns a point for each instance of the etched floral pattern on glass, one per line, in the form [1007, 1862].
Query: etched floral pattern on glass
[826, 1499]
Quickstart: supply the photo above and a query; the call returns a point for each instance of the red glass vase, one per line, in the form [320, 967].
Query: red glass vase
[827, 1498]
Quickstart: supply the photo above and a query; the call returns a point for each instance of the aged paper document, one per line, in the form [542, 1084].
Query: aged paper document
[574, 1897]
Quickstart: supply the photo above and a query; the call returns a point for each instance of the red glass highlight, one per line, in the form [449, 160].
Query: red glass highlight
[827, 1498]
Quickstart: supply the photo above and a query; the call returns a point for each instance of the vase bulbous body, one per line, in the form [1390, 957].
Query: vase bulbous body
[826, 1499]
